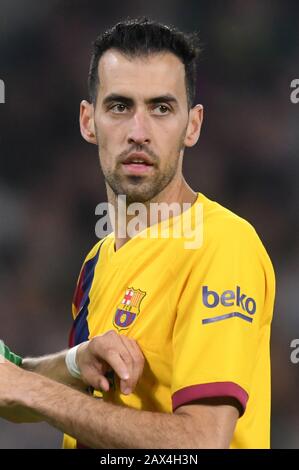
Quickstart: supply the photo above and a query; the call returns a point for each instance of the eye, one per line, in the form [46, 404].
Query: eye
[119, 108]
[161, 109]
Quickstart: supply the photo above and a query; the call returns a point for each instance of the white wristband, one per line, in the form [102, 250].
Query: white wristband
[71, 364]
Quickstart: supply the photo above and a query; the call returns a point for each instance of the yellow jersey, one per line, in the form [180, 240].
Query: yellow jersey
[201, 317]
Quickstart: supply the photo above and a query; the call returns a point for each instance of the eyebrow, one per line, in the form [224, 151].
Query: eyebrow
[168, 98]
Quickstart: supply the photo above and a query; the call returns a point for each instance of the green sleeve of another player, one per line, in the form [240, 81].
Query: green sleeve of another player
[9, 355]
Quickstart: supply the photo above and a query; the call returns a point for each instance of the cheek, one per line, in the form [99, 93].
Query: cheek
[104, 144]
[171, 138]
[110, 135]
[106, 139]
[171, 129]
[110, 145]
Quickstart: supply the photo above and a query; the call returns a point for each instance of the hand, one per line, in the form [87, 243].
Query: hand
[110, 351]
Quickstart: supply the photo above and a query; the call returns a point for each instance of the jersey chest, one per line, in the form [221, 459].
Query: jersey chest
[133, 301]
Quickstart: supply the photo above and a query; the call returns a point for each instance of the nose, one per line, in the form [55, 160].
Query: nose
[139, 131]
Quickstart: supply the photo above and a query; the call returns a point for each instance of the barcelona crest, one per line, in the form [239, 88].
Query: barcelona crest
[129, 308]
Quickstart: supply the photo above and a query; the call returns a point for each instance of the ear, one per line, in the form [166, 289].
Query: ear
[194, 125]
[87, 126]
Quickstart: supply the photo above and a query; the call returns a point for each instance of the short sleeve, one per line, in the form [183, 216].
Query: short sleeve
[226, 302]
[79, 331]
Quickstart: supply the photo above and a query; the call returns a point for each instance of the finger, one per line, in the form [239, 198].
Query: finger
[103, 384]
[100, 382]
[138, 357]
[110, 348]
[126, 386]
[119, 361]
[96, 378]
[137, 365]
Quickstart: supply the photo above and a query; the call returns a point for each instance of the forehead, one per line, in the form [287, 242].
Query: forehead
[155, 74]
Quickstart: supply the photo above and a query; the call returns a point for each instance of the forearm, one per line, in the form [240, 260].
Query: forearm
[53, 366]
[98, 424]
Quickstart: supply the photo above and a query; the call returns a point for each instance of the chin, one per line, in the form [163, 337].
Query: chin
[136, 189]
[132, 197]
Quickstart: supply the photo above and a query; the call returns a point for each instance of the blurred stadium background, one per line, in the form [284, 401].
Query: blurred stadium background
[247, 159]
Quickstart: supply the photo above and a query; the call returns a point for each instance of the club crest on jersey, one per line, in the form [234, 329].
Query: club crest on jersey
[129, 308]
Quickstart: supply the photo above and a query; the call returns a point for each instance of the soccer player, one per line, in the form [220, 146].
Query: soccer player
[173, 337]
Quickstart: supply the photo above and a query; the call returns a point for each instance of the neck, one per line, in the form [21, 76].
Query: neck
[178, 192]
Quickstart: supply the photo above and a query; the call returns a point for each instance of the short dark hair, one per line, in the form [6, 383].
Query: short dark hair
[139, 37]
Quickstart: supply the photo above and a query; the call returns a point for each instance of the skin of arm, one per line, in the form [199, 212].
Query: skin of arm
[94, 358]
[52, 366]
[98, 424]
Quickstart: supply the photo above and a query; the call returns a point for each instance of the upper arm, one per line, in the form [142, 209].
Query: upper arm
[210, 423]
[221, 333]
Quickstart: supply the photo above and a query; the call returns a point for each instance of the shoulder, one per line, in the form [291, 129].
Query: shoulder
[221, 225]
[97, 248]
[225, 231]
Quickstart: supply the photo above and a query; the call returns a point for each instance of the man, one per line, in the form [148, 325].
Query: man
[175, 339]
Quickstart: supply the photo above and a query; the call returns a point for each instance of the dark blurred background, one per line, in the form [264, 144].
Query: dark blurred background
[50, 183]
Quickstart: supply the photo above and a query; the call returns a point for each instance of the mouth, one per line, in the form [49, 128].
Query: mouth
[137, 163]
